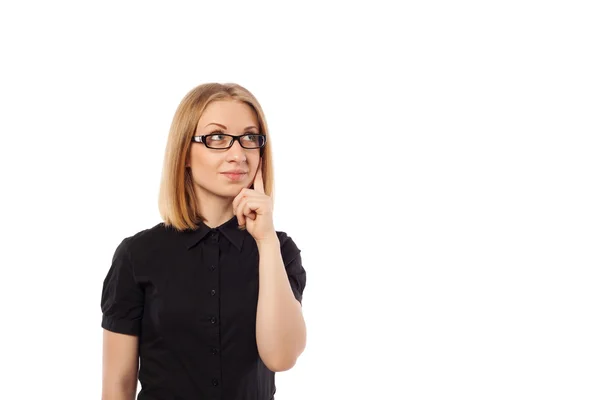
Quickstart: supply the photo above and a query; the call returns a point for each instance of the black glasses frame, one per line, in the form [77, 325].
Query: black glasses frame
[202, 139]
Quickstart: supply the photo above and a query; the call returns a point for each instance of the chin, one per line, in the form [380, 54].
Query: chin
[230, 192]
[232, 189]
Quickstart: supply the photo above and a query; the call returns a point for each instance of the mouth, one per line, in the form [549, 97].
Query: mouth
[234, 176]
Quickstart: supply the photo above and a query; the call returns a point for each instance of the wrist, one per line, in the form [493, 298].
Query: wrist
[268, 241]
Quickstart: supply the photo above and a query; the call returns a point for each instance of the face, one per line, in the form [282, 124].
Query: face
[209, 166]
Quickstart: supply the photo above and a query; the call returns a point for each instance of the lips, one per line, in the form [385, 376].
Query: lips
[234, 176]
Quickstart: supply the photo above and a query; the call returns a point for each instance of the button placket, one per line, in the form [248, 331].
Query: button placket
[213, 351]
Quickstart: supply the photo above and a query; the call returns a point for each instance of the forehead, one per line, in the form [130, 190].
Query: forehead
[231, 113]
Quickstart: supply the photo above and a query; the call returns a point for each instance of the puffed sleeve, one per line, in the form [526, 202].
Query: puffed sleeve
[122, 301]
[293, 265]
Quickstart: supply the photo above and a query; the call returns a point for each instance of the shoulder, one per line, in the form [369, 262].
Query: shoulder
[285, 240]
[148, 239]
[289, 248]
[283, 237]
[292, 260]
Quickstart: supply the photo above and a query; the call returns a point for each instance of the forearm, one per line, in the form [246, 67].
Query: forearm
[118, 392]
[280, 326]
[119, 387]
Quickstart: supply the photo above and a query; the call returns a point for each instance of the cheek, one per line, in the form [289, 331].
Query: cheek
[203, 168]
[253, 160]
[201, 161]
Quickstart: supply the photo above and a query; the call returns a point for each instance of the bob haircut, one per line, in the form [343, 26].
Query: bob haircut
[178, 205]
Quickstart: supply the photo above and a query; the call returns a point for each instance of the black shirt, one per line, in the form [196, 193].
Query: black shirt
[191, 297]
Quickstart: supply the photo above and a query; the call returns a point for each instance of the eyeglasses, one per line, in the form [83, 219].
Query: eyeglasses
[225, 141]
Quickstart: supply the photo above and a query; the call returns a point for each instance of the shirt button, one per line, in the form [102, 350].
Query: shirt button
[212, 267]
[213, 320]
[214, 351]
[213, 292]
[215, 382]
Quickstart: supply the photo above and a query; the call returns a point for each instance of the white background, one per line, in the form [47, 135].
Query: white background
[436, 162]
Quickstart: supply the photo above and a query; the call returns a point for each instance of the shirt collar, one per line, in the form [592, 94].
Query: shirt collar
[229, 229]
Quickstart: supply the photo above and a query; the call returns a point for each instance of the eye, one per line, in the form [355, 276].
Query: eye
[217, 135]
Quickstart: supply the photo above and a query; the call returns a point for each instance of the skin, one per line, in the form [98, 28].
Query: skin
[280, 325]
[213, 189]
[119, 366]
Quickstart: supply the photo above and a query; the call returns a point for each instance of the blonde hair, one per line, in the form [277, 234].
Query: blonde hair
[177, 204]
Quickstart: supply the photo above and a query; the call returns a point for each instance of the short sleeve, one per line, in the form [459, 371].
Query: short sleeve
[293, 265]
[122, 301]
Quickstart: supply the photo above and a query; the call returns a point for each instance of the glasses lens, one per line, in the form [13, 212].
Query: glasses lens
[218, 141]
[252, 141]
[222, 141]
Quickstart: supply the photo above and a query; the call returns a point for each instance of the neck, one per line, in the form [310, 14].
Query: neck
[215, 210]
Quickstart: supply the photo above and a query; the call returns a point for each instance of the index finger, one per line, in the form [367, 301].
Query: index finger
[259, 185]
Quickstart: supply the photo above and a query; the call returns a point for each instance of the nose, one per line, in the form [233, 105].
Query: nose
[236, 152]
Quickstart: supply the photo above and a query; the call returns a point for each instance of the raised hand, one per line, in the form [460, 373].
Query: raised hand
[254, 209]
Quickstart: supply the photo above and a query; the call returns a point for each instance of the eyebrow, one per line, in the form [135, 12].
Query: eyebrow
[224, 127]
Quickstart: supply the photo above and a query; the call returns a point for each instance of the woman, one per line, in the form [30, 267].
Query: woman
[209, 300]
